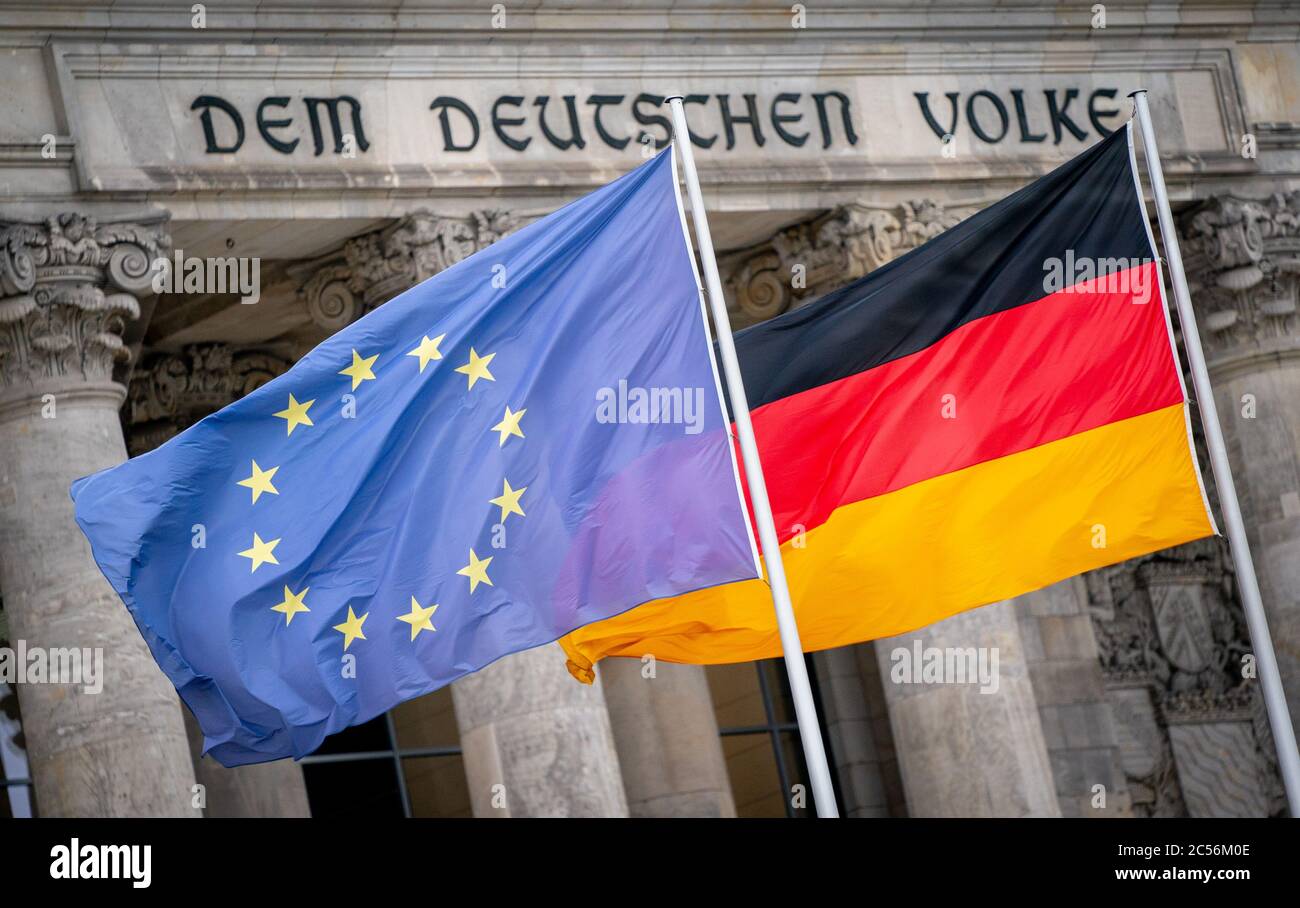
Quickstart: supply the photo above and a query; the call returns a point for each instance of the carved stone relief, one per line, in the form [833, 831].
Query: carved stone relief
[169, 392]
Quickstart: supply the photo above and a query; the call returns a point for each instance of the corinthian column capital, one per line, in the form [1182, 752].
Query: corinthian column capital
[369, 269]
[68, 285]
[807, 260]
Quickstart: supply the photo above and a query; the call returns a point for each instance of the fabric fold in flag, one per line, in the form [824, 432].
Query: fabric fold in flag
[441, 484]
[997, 410]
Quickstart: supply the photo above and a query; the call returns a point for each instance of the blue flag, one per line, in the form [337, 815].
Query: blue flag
[528, 442]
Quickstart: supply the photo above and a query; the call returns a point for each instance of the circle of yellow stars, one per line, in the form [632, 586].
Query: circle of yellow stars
[260, 481]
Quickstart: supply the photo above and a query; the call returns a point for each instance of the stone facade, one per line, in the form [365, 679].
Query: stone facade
[352, 166]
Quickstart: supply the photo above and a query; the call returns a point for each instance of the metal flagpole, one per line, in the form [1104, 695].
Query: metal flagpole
[1274, 698]
[804, 708]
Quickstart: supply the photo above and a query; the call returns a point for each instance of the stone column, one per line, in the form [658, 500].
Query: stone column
[167, 394]
[66, 288]
[1243, 262]
[537, 743]
[274, 789]
[854, 712]
[963, 753]
[667, 738]
[1065, 666]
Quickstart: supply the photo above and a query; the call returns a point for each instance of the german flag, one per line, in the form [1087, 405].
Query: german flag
[995, 411]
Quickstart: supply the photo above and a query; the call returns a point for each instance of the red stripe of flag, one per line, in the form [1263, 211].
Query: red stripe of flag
[1068, 362]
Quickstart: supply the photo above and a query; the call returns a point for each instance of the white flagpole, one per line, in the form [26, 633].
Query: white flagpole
[1274, 698]
[805, 708]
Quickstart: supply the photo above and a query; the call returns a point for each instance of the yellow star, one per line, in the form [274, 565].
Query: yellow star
[477, 367]
[291, 605]
[509, 425]
[295, 414]
[419, 618]
[260, 481]
[476, 571]
[508, 501]
[360, 369]
[427, 350]
[261, 552]
[351, 629]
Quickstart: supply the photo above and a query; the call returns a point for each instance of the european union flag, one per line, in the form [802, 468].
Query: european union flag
[528, 442]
